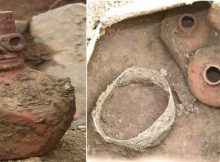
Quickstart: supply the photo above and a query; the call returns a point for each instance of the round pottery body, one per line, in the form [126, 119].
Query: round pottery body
[182, 32]
[203, 84]
[35, 112]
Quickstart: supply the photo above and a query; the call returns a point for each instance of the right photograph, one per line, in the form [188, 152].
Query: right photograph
[153, 81]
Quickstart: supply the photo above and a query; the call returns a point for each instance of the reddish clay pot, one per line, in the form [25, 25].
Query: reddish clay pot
[204, 75]
[35, 109]
[183, 32]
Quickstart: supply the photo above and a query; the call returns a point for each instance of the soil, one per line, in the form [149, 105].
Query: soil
[72, 146]
[137, 42]
[131, 109]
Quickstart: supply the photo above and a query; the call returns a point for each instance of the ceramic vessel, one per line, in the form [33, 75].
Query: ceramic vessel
[35, 109]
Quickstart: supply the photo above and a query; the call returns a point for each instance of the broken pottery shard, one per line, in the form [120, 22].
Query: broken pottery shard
[35, 109]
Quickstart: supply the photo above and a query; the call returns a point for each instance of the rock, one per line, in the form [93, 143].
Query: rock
[21, 26]
[62, 30]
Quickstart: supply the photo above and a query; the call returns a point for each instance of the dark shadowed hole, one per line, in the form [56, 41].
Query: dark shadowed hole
[16, 41]
[2, 51]
[213, 74]
[187, 21]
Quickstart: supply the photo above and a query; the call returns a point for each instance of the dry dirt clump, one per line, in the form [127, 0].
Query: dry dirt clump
[45, 89]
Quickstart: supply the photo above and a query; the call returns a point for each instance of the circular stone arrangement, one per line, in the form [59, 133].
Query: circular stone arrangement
[149, 127]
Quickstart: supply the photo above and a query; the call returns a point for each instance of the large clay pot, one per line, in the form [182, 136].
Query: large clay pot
[35, 109]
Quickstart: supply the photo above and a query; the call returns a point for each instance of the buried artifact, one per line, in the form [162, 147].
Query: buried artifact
[187, 35]
[155, 133]
[35, 109]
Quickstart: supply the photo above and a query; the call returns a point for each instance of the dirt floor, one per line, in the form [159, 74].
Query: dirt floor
[138, 111]
[72, 146]
[71, 149]
[137, 42]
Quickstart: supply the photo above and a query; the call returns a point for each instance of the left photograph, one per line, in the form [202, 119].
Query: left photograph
[42, 81]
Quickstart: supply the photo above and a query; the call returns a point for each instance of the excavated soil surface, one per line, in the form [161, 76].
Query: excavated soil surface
[72, 148]
[137, 42]
[131, 109]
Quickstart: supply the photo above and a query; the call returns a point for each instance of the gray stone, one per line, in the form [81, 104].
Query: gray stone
[63, 30]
